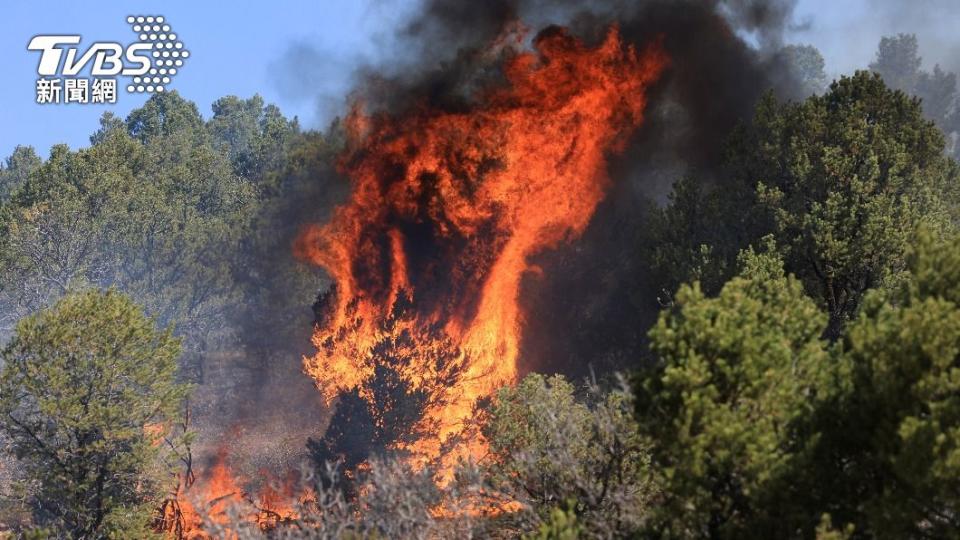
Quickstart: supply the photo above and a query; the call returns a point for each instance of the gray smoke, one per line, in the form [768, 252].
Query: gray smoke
[847, 33]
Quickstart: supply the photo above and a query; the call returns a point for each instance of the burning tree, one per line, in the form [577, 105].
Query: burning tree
[429, 253]
[388, 408]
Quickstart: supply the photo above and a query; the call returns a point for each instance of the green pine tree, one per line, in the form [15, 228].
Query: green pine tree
[87, 393]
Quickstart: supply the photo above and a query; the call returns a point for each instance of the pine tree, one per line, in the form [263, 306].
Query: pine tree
[87, 394]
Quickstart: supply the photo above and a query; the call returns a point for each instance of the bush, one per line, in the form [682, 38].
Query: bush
[549, 449]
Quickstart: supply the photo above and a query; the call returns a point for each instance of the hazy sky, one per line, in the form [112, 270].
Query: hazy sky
[847, 31]
[300, 54]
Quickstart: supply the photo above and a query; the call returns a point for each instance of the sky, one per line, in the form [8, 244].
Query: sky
[302, 54]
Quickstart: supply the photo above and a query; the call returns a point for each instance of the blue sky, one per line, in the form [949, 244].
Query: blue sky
[236, 48]
[243, 48]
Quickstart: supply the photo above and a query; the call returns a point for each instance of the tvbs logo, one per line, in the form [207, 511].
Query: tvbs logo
[151, 62]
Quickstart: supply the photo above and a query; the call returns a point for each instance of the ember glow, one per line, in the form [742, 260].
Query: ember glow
[446, 210]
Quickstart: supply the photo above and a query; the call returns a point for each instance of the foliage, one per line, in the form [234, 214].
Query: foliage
[86, 391]
[691, 242]
[274, 320]
[807, 65]
[152, 208]
[547, 449]
[842, 181]
[758, 426]
[738, 376]
[826, 530]
[898, 62]
[17, 169]
[848, 178]
[561, 525]
[894, 437]
[256, 137]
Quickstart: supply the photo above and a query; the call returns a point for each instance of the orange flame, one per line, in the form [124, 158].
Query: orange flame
[447, 208]
[219, 492]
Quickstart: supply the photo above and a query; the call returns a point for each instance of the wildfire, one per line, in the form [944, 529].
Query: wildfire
[447, 208]
[219, 493]
[429, 253]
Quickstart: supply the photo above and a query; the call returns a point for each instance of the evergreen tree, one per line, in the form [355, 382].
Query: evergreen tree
[87, 394]
[888, 453]
[842, 181]
[726, 406]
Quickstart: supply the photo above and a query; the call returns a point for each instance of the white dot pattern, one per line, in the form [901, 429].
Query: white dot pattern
[167, 52]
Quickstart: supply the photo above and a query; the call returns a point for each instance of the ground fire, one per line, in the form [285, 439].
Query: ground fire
[219, 495]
